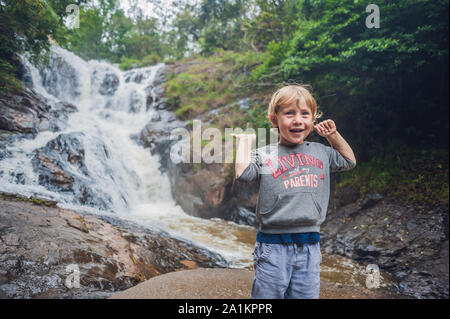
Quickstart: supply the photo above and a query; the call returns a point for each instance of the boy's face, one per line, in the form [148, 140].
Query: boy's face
[295, 122]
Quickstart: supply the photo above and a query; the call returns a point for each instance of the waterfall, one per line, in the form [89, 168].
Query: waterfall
[93, 165]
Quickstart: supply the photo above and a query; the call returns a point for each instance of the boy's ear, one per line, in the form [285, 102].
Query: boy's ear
[273, 120]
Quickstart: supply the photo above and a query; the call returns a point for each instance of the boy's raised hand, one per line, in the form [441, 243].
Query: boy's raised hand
[244, 146]
[325, 128]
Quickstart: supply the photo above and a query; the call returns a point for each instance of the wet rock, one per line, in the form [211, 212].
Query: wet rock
[49, 161]
[345, 196]
[25, 74]
[10, 240]
[137, 76]
[153, 138]
[23, 111]
[109, 258]
[7, 138]
[156, 117]
[201, 192]
[59, 115]
[411, 243]
[368, 250]
[244, 104]
[60, 166]
[78, 223]
[109, 84]
[370, 200]
[244, 216]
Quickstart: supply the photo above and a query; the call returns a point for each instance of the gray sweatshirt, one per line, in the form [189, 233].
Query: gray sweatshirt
[294, 185]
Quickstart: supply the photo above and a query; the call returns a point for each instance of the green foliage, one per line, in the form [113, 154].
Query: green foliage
[413, 176]
[8, 80]
[130, 63]
[257, 117]
[35, 200]
[211, 82]
[87, 41]
[26, 26]
[190, 94]
[275, 22]
[106, 33]
[212, 24]
[379, 80]
[184, 27]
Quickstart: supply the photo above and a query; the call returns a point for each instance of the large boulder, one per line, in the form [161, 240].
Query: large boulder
[41, 247]
[60, 166]
[410, 242]
[23, 111]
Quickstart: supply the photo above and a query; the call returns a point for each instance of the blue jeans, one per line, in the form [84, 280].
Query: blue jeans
[286, 271]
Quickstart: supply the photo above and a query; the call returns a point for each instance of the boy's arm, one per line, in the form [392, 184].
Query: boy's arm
[243, 152]
[328, 130]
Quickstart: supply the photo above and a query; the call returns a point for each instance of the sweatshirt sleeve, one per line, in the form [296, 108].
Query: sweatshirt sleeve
[252, 172]
[337, 161]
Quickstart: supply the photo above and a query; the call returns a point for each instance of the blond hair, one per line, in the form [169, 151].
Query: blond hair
[292, 93]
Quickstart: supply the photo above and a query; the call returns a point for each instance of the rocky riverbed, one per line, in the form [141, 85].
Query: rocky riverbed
[408, 241]
[41, 246]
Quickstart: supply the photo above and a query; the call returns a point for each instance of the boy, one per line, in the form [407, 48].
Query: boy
[294, 189]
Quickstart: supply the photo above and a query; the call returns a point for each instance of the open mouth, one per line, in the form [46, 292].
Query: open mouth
[297, 130]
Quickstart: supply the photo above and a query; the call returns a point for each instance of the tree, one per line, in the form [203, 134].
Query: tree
[27, 25]
[379, 80]
[276, 20]
[221, 24]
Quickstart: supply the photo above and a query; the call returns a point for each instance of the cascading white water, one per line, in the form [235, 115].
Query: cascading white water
[112, 106]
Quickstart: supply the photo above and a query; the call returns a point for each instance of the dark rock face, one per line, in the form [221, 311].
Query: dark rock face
[61, 166]
[109, 84]
[25, 113]
[59, 115]
[40, 246]
[49, 161]
[156, 134]
[411, 243]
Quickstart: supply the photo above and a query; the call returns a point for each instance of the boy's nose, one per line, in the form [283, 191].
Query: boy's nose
[298, 119]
